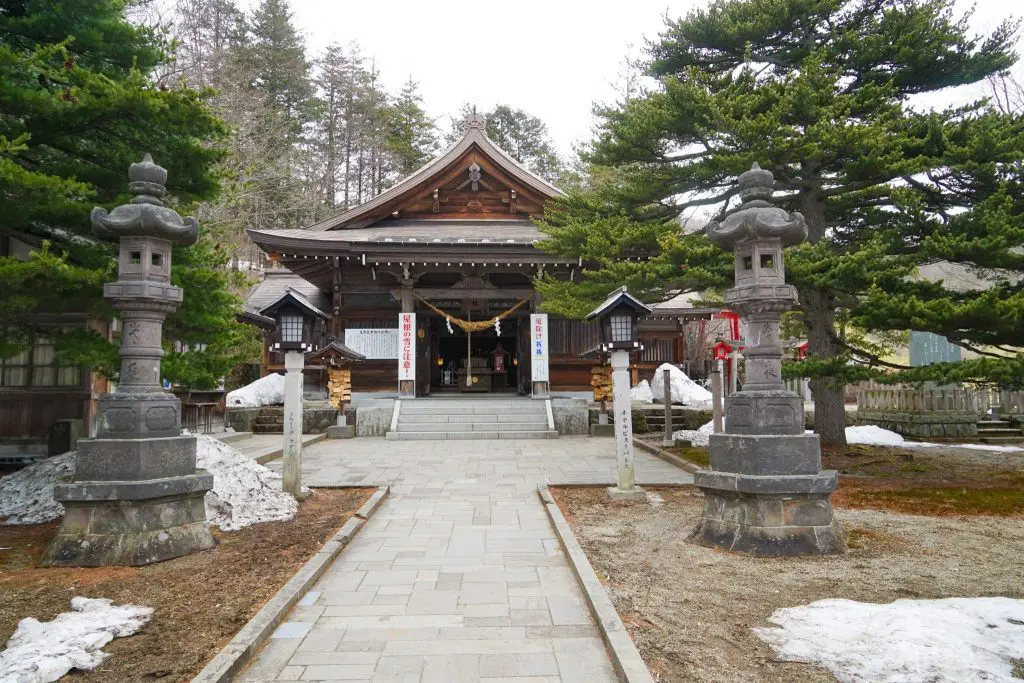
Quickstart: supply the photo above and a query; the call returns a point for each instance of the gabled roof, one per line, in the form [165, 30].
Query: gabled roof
[620, 297]
[336, 352]
[474, 137]
[276, 282]
[295, 298]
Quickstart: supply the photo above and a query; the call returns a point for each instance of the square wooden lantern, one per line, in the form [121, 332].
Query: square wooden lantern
[618, 317]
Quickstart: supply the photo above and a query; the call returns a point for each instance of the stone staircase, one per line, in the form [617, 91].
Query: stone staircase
[999, 431]
[472, 418]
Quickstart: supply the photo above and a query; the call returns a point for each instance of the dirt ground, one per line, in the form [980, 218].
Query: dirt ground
[200, 601]
[690, 609]
[929, 481]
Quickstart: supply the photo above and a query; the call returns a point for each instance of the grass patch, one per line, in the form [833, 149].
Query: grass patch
[695, 454]
[992, 501]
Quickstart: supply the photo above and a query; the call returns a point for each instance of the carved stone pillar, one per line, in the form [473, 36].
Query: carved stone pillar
[765, 494]
[136, 496]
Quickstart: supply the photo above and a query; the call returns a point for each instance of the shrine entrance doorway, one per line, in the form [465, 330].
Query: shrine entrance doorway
[476, 362]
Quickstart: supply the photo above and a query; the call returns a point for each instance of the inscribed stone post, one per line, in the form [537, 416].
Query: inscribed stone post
[667, 439]
[716, 398]
[622, 406]
[291, 464]
[765, 494]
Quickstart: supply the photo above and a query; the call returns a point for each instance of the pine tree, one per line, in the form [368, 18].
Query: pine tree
[78, 105]
[412, 134]
[272, 58]
[819, 93]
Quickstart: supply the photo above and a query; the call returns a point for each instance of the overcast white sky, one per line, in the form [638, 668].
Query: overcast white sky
[553, 58]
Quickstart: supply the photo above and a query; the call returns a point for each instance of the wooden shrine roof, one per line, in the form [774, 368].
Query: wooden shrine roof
[473, 193]
[444, 169]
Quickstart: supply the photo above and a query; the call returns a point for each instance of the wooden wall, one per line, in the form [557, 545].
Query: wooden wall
[29, 414]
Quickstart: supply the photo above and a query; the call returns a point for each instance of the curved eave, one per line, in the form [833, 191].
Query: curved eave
[309, 247]
[436, 167]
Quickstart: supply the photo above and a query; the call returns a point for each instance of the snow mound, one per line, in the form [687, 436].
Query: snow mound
[871, 435]
[940, 641]
[696, 437]
[684, 389]
[642, 393]
[40, 652]
[26, 497]
[266, 391]
[244, 491]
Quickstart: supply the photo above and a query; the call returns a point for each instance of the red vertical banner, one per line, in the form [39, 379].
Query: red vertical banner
[406, 346]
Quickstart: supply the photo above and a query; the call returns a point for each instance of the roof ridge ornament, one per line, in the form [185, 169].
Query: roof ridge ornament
[475, 121]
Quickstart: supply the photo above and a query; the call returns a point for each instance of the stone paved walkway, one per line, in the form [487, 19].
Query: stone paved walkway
[458, 576]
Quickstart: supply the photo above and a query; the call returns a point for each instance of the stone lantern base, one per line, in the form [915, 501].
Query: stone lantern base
[119, 511]
[766, 496]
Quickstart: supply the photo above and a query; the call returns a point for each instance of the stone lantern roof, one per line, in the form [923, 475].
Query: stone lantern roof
[757, 218]
[146, 215]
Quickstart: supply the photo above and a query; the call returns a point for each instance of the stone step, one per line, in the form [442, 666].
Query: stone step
[424, 418]
[411, 409]
[989, 431]
[993, 423]
[444, 436]
[1002, 439]
[475, 427]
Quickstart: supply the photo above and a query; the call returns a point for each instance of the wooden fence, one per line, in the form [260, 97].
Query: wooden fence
[903, 400]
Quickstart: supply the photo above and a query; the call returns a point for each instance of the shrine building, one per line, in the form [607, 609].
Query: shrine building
[452, 243]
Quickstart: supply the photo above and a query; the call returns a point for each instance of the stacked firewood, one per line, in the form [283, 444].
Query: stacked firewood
[601, 382]
[339, 386]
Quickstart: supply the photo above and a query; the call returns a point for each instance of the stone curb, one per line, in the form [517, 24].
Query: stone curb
[237, 653]
[668, 457]
[232, 437]
[629, 666]
[264, 458]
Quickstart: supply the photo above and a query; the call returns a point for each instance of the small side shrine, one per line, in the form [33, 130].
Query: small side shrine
[338, 360]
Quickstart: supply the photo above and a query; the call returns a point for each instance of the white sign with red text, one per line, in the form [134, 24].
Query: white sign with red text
[406, 346]
[539, 346]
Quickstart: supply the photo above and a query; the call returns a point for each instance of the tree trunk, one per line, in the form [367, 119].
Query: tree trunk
[819, 318]
[829, 407]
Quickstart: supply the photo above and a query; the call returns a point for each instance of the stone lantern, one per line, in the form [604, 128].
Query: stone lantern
[617, 317]
[765, 493]
[136, 496]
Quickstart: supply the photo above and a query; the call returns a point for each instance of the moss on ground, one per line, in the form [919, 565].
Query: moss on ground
[993, 501]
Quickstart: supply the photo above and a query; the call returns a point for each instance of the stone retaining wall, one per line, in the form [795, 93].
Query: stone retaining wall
[927, 425]
[314, 420]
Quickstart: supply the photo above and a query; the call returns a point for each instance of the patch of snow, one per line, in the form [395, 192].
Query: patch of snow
[684, 390]
[642, 393]
[871, 435]
[41, 652]
[986, 447]
[244, 491]
[940, 641]
[26, 496]
[696, 437]
[266, 391]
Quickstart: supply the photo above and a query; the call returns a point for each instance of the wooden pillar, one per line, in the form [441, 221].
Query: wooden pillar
[337, 305]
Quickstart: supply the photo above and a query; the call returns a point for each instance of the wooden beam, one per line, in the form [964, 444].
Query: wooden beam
[455, 293]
